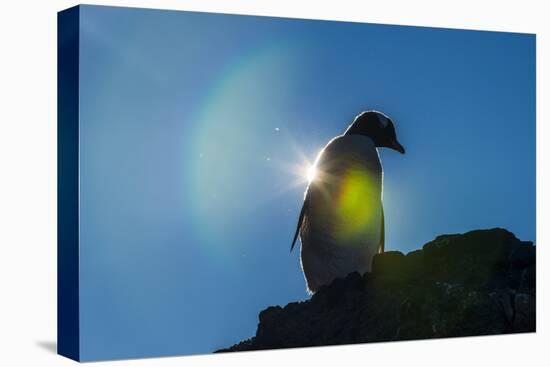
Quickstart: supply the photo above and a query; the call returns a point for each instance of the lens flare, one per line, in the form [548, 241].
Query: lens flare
[358, 204]
[311, 173]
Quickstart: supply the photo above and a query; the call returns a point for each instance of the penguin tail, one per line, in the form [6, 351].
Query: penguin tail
[299, 225]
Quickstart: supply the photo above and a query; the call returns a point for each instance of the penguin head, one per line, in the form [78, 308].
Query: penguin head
[378, 127]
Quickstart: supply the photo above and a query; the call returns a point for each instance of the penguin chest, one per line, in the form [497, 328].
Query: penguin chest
[342, 225]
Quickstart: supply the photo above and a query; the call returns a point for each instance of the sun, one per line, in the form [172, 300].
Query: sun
[311, 173]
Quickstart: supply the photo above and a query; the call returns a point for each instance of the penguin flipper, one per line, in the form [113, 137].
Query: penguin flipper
[382, 233]
[300, 221]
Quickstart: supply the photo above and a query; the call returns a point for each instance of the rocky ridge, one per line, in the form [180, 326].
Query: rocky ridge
[478, 283]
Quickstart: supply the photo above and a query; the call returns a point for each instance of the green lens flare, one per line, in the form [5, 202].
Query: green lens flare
[358, 205]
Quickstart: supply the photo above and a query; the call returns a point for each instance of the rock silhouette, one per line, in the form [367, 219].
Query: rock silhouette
[478, 283]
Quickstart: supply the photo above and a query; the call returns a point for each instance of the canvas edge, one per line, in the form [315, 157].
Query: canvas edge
[68, 325]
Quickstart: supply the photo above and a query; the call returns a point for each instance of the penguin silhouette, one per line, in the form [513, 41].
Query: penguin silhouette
[341, 224]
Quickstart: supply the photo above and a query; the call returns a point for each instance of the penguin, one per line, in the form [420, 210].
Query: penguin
[341, 223]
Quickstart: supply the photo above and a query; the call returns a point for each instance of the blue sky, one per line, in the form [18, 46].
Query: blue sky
[195, 135]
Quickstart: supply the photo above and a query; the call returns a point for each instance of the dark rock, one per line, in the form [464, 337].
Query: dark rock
[390, 263]
[478, 283]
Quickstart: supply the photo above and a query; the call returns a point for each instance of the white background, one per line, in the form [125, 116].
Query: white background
[28, 182]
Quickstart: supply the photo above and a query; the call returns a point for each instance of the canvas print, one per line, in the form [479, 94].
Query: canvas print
[233, 183]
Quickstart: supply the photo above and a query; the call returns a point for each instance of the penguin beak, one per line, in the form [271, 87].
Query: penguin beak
[397, 146]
